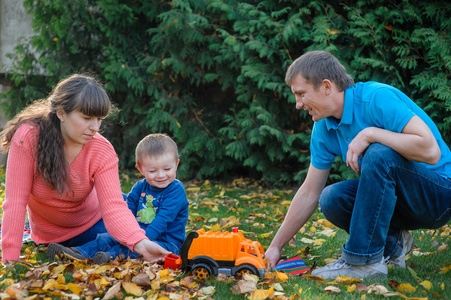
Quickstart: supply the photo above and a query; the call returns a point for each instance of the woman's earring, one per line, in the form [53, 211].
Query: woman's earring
[62, 120]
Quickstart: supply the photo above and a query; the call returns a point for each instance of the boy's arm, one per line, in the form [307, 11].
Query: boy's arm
[133, 197]
[174, 202]
[302, 207]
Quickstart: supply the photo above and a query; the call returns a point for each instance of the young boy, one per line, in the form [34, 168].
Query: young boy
[158, 202]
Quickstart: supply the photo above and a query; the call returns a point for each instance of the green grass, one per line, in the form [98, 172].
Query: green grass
[258, 211]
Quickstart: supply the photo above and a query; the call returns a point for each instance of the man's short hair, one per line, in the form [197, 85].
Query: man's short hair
[315, 66]
[155, 144]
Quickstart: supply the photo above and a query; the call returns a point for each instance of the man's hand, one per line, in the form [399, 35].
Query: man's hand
[357, 148]
[151, 251]
[273, 256]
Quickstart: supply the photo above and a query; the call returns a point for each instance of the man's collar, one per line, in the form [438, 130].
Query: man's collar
[346, 118]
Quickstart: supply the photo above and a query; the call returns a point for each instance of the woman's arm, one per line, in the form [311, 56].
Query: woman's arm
[19, 181]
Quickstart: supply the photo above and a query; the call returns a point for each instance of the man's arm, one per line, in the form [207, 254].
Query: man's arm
[303, 205]
[416, 142]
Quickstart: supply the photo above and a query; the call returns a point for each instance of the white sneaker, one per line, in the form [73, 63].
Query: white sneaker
[407, 247]
[341, 268]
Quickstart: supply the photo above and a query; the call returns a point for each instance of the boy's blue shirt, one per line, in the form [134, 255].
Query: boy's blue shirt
[370, 104]
[171, 210]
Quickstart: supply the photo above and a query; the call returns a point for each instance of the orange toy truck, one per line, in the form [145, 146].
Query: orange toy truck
[210, 253]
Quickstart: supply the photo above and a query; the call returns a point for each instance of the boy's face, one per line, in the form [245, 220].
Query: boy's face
[159, 171]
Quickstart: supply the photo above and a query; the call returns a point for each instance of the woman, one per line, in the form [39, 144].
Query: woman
[65, 174]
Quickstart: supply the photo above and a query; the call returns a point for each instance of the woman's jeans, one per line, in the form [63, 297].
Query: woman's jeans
[87, 236]
[392, 194]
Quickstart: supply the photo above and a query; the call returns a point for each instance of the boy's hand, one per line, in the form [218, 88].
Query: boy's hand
[151, 251]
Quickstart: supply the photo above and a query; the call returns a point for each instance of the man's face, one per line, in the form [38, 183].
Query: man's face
[309, 99]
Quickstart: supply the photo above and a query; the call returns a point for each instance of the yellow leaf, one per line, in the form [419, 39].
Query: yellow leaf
[445, 269]
[351, 288]
[312, 229]
[363, 297]
[101, 282]
[265, 235]
[7, 282]
[74, 288]
[346, 280]
[61, 279]
[163, 273]
[406, 288]
[215, 227]
[325, 222]
[442, 286]
[155, 285]
[262, 294]
[281, 276]
[427, 284]
[49, 284]
[132, 288]
[319, 242]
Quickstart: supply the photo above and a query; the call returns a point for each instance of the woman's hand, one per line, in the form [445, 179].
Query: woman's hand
[151, 251]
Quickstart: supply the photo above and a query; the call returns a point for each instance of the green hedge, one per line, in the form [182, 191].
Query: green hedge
[211, 73]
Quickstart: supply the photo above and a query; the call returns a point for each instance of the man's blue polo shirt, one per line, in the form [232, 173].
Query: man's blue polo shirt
[370, 104]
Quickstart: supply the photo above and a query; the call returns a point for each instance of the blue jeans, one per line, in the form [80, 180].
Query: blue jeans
[106, 243]
[392, 194]
[87, 236]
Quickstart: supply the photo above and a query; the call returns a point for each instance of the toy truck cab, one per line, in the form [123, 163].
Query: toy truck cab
[230, 253]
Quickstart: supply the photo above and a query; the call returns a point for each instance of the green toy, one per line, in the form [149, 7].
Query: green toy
[147, 214]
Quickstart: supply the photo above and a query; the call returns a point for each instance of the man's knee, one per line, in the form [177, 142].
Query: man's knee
[379, 153]
[327, 199]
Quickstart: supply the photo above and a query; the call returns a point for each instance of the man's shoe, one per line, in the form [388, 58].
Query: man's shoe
[102, 258]
[59, 250]
[341, 268]
[407, 247]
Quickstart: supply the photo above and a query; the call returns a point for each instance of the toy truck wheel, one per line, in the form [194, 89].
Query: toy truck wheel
[246, 269]
[202, 271]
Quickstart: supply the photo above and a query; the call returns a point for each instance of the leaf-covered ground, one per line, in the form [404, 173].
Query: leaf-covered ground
[258, 212]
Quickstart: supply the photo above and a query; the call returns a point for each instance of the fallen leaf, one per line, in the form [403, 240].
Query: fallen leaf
[132, 288]
[244, 286]
[346, 280]
[208, 290]
[112, 291]
[406, 288]
[426, 284]
[332, 289]
[377, 289]
[262, 294]
[442, 248]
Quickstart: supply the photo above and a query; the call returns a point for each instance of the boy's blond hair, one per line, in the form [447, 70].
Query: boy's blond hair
[155, 144]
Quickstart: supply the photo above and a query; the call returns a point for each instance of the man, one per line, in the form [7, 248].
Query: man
[403, 162]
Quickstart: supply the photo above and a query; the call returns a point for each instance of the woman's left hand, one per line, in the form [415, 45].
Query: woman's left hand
[151, 251]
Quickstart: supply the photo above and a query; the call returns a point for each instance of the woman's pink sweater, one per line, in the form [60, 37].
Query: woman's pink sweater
[95, 193]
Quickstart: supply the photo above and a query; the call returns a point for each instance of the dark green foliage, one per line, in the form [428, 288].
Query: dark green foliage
[211, 73]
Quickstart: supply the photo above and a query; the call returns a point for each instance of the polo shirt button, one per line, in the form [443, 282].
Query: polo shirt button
[347, 140]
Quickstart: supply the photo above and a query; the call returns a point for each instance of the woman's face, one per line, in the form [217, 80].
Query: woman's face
[78, 128]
